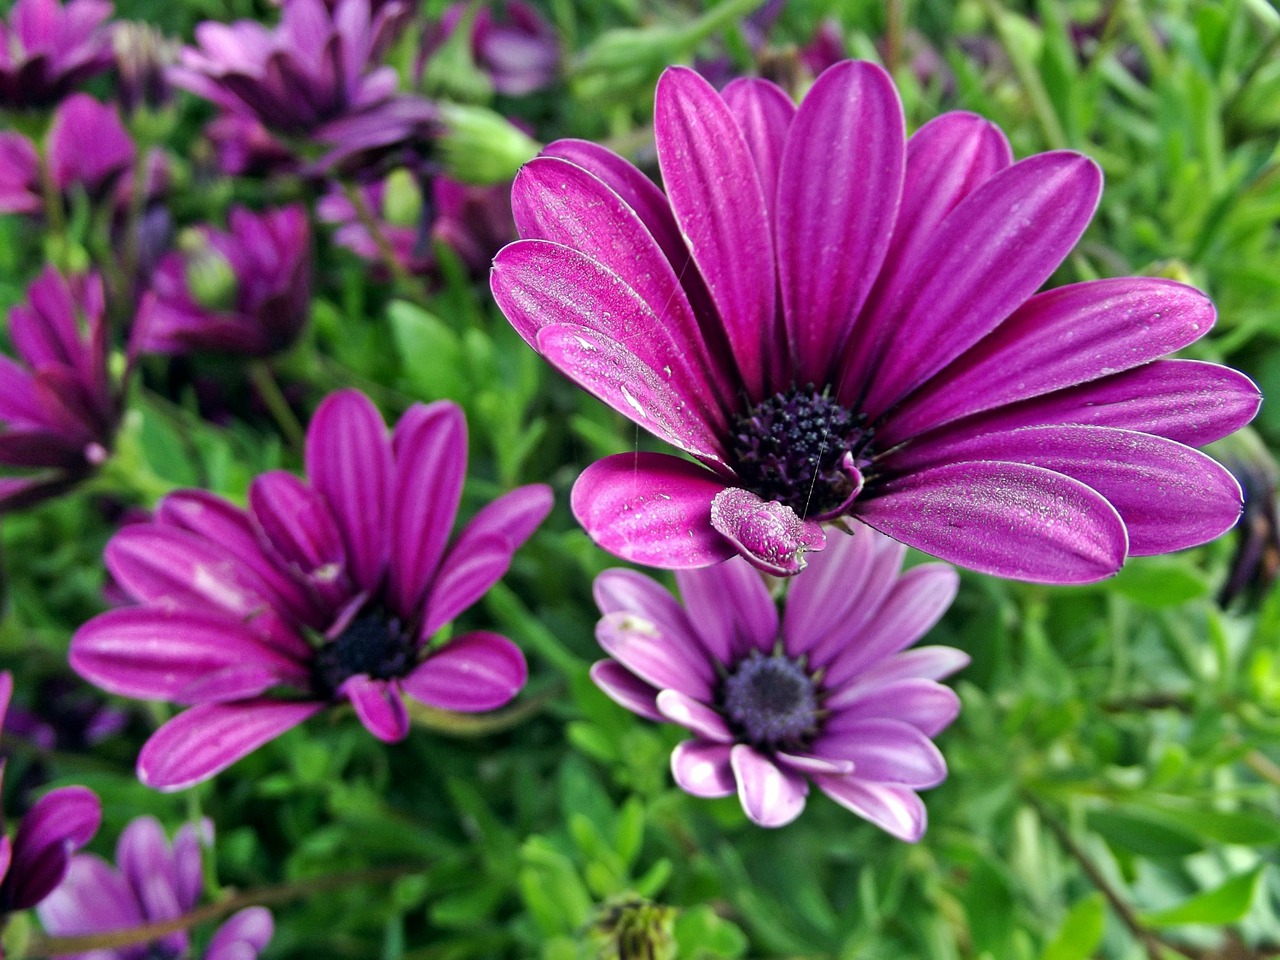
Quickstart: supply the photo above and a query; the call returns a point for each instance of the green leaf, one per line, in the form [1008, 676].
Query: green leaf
[1160, 582]
[1144, 833]
[1225, 904]
[1081, 931]
[430, 352]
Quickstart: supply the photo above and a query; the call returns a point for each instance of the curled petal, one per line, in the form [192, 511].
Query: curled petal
[474, 672]
[770, 795]
[378, 705]
[770, 535]
[895, 809]
[703, 769]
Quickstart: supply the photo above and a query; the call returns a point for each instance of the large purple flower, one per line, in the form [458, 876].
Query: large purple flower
[46, 49]
[154, 882]
[59, 408]
[313, 76]
[58, 824]
[261, 268]
[319, 593]
[836, 322]
[827, 693]
[87, 147]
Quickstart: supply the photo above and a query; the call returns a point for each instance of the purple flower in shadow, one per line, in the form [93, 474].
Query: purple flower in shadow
[87, 147]
[59, 408]
[152, 882]
[836, 322]
[826, 693]
[474, 221]
[518, 50]
[261, 268]
[58, 824]
[314, 76]
[320, 593]
[46, 49]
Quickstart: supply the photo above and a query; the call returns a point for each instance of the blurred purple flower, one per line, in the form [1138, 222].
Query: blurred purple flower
[314, 76]
[154, 882]
[58, 824]
[87, 146]
[46, 49]
[143, 55]
[474, 221]
[861, 337]
[246, 290]
[244, 147]
[58, 408]
[358, 561]
[828, 692]
[516, 47]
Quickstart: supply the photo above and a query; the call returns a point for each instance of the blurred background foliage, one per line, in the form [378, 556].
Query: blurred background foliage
[1115, 772]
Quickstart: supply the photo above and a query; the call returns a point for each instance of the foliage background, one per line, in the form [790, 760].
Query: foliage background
[1115, 772]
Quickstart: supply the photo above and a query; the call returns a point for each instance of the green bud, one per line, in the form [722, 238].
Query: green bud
[210, 278]
[482, 147]
[402, 198]
[632, 928]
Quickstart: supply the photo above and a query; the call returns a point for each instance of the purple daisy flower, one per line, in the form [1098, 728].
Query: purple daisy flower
[154, 882]
[313, 76]
[319, 593]
[58, 824]
[87, 147]
[261, 268]
[837, 322]
[59, 408]
[827, 693]
[46, 49]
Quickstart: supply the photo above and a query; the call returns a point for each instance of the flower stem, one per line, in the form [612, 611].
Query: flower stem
[385, 249]
[264, 382]
[42, 946]
[479, 725]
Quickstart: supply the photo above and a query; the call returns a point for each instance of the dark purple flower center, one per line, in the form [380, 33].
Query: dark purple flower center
[372, 644]
[790, 447]
[771, 700]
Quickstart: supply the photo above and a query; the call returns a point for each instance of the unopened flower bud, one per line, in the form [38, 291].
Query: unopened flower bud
[481, 147]
[209, 275]
[633, 928]
[143, 54]
[402, 198]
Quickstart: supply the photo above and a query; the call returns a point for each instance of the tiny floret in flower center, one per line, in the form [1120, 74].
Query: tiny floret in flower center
[790, 448]
[371, 644]
[771, 700]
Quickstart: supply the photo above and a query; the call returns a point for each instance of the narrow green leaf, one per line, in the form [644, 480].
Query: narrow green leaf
[1225, 904]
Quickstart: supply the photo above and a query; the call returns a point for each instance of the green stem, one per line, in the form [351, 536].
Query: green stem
[261, 896]
[264, 382]
[388, 253]
[1041, 105]
[479, 725]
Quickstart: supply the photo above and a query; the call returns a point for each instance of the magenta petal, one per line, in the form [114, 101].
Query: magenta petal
[1140, 475]
[611, 372]
[925, 704]
[730, 607]
[156, 653]
[842, 588]
[835, 216]
[557, 201]
[431, 463]
[764, 113]
[205, 740]
[297, 524]
[810, 765]
[1059, 339]
[1007, 519]
[482, 553]
[652, 509]
[703, 769]
[895, 809]
[379, 706]
[143, 855]
[694, 715]
[629, 592]
[626, 689]
[769, 534]
[715, 193]
[770, 795]
[991, 253]
[656, 657]
[6, 692]
[349, 461]
[471, 673]
[1187, 401]
[57, 824]
[94, 897]
[245, 933]
[917, 601]
[886, 751]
